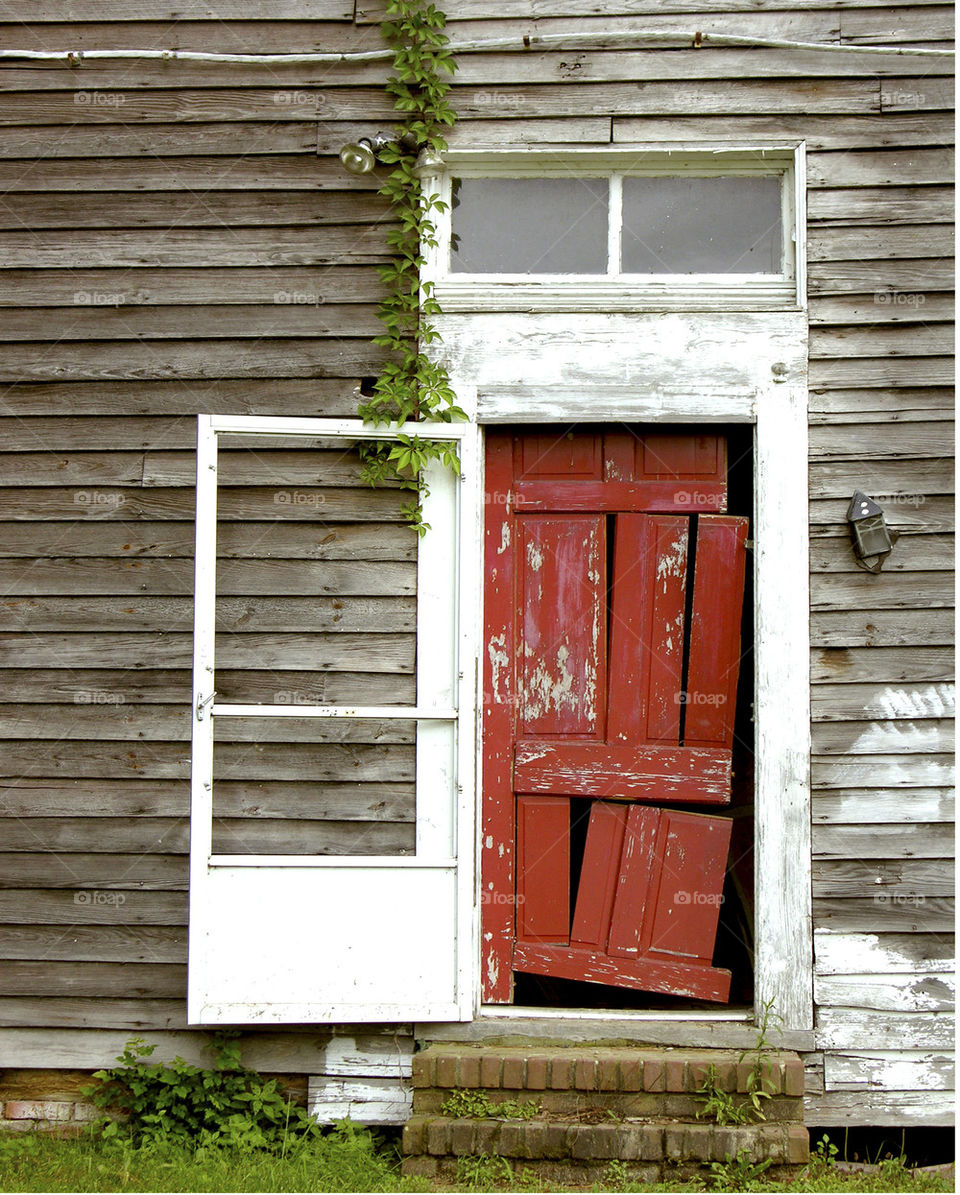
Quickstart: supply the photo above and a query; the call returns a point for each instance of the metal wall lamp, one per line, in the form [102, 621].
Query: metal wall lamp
[872, 540]
[360, 157]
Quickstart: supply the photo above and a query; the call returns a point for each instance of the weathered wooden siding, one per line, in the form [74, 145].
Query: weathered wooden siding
[178, 238]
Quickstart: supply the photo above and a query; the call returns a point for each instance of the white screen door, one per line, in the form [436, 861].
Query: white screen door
[309, 937]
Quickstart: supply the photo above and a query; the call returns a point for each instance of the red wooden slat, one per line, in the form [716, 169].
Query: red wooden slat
[563, 456]
[620, 456]
[598, 874]
[714, 665]
[499, 704]
[679, 497]
[697, 775]
[561, 657]
[667, 454]
[543, 869]
[646, 633]
[657, 974]
[636, 884]
[693, 852]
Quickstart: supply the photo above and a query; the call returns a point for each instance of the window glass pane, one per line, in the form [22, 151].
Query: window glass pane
[529, 226]
[701, 226]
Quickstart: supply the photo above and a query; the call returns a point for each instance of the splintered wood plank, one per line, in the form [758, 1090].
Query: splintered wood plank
[698, 775]
[499, 706]
[675, 977]
[562, 595]
[543, 869]
[637, 883]
[711, 695]
[598, 875]
[657, 495]
[693, 851]
[646, 654]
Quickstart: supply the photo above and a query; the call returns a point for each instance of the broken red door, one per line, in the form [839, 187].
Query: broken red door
[614, 589]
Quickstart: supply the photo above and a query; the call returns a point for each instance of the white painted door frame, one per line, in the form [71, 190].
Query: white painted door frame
[747, 368]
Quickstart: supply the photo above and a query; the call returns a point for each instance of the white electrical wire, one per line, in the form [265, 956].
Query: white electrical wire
[567, 41]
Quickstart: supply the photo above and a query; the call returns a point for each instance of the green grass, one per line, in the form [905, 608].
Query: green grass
[346, 1159]
[352, 1159]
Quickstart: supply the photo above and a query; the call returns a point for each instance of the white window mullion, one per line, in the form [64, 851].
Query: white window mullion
[615, 225]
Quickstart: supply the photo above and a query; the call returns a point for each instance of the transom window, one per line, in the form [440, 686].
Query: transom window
[610, 229]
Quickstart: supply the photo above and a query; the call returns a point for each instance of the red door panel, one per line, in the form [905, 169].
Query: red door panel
[599, 547]
[543, 869]
[714, 666]
[646, 627]
[562, 596]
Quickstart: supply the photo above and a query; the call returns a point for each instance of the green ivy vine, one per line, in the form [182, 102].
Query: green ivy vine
[412, 387]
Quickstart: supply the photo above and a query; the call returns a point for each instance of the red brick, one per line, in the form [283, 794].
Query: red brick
[609, 1076]
[419, 1167]
[675, 1069]
[697, 1073]
[461, 1138]
[423, 1070]
[654, 1075]
[513, 1140]
[698, 1142]
[673, 1141]
[438, 1137]
[726, 1073]
[744, 1071]
[585, 1074]
[446, 1070]
[485, 1136]
[560, 1079]
[594, 1141]
[798, 1144]
[537, 1072]
[770, 1075]
[412, 1139]
[490, 1070]
[38, 1110]
[631, 1074]
[513, 1067]
[793, 1077]
[468, 1070]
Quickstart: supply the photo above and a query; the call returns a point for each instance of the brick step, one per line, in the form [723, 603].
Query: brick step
[625, 1081]
[432, 1145]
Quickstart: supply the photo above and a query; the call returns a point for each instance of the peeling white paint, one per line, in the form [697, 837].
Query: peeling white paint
[883, 738]
[488, 841]
[497, 651]
[504, 537]
[544, 692]
[534, 557]
[933, 701]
